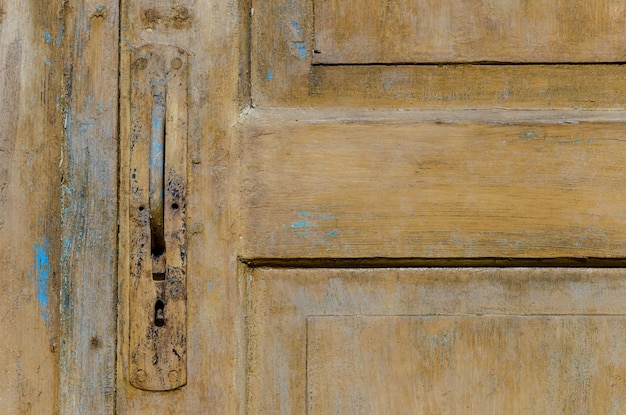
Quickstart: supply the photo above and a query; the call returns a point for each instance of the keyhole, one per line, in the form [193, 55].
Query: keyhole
[159, 314]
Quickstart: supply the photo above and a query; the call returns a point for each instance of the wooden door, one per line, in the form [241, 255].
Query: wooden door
[391, 207]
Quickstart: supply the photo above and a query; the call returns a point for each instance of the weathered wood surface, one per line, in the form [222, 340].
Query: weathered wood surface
[457, 86]
[432, 184]
[328, 184]
[31, 134]
[284, 72]
[88, 260]
[376, 31]
[465, 364]
[214, 33]
[516, 340]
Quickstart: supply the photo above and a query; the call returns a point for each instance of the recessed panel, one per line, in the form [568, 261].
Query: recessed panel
[465, 364]
[461, 341]
[436, 31]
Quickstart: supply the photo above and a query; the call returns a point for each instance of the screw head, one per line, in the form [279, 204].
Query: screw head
[141, 63]
[141, 376]
[173, 376]
[177, 63]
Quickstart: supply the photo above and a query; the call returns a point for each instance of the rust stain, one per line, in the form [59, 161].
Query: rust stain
[181, 18]
[2, 13]
[95, 342]
[100, 12]
[150, 18]
[177, 17]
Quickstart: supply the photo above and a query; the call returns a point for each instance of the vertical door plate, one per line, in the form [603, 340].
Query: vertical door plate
[158, 293]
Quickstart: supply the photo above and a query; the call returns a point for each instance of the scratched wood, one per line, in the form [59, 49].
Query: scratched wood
[88, 262]
[521, 341]
[468, 185]
[31, 120]
[375, 31]
[213, 33]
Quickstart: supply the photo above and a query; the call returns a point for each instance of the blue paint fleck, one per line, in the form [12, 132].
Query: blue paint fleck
[296, 26]
[300, 225]
[309, 224]
[59, 40]
[66, 246]
[301, 47]
[388, 83]
[212, 284]
[48, 37]
[42, 276]
[156, 146]
[101, 106]
[269, 74]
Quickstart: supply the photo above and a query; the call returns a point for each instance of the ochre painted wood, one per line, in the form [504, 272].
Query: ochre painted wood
[465, 364]
[432, 185]
[31, 135]
[516, 340]
[375, 31]
[89, 164]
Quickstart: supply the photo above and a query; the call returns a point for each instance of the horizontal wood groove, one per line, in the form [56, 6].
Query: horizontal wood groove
[472, 63]
[266, 117]
[434, 262]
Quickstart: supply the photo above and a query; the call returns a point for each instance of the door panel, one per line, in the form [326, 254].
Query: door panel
[436, 341]
[463, 364]
[374, 31]
[401, 55]
[430, 185]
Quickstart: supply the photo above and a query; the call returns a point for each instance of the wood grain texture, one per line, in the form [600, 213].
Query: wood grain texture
[214, 33]
[284, 70]
[89, 286]
[465, 364]
[375, 31]
[432, 185]
[31, 119]
[553, 336]
[460, 86]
